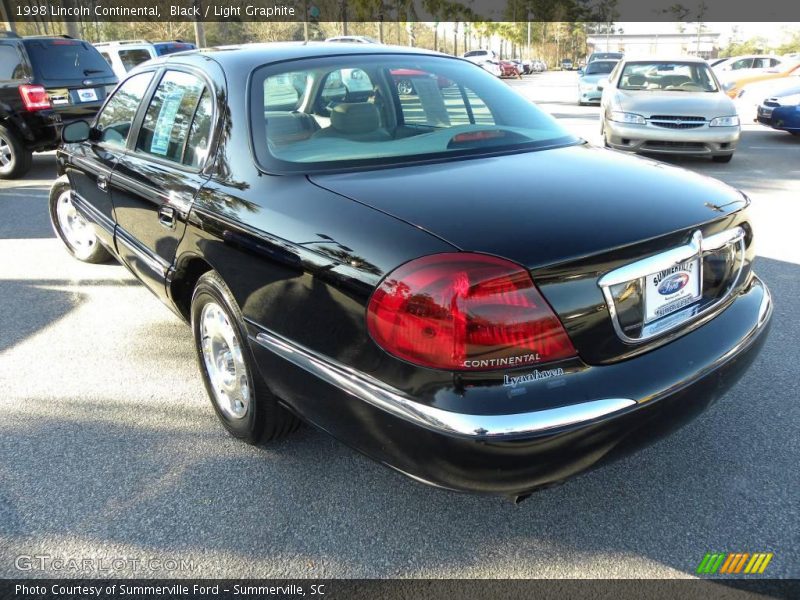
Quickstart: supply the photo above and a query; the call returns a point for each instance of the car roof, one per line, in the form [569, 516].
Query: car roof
[251, 56]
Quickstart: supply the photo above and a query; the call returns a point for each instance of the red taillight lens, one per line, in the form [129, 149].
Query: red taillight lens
[465, 312]
[34, 97]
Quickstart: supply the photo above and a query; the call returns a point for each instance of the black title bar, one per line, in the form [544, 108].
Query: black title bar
[406, 10]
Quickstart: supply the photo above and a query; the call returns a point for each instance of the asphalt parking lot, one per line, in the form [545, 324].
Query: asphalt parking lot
[109, 447]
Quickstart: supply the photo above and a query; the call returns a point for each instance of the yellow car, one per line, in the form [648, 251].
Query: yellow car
[733, 87]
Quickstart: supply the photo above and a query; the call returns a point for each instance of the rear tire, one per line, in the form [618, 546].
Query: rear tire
[15, 159]
[71, 228]
[795, 133]
[240, 397]
[725, 158]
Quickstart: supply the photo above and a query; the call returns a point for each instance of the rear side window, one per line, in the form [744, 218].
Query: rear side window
[114, 122]
[131, 58]
[61, 59]
[11, 63]
[165, 132]
[438, 102]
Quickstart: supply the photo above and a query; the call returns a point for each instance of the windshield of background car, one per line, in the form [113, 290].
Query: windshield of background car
[600, 67]
[605, 56]
[164, 48]
[667, 76]
[376, 110]
[67, 59]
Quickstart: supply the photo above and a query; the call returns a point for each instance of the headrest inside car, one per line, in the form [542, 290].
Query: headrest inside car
[355, 117]
[636, 80]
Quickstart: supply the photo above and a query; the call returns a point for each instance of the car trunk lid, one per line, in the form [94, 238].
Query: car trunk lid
[542, 208]
[570, 215]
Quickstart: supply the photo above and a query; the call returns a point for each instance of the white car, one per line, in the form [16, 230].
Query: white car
[480, 56]
[661, 106]
[124, 55]
[741, 66]
[353, 39]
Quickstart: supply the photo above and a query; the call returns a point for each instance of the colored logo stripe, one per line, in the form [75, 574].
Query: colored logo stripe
[758, 563]
[734, 562]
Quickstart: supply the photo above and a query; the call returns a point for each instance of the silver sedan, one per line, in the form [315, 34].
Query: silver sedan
[668, 107]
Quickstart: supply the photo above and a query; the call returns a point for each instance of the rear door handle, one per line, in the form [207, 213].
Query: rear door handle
[166, 216]
[102, 182]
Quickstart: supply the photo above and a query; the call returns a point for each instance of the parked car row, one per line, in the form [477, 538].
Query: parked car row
[491, 62]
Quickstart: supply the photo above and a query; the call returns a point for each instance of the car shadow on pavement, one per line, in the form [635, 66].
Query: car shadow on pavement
[29, 306]
[121, 471]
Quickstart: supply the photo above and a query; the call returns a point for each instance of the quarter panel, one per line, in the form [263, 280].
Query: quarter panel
[303, 262]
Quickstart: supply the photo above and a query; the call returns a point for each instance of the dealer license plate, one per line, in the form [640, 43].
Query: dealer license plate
[87, 95]
[672, 289]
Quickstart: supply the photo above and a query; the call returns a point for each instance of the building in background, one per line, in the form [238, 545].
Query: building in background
[705, 45]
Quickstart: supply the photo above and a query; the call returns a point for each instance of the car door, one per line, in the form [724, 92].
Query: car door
[155, 182]
[89, 164]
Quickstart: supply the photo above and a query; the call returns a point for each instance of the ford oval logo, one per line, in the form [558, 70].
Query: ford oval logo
[673, 283]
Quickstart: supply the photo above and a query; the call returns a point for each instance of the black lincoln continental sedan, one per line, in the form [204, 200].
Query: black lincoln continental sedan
[347, 255]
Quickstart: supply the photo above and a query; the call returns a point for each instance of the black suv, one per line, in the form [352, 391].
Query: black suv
[45, 82]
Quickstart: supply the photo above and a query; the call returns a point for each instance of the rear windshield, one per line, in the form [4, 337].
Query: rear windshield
[67, 59]
[375, 110]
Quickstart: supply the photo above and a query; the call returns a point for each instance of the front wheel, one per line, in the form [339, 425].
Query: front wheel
[74, 231]
[725, 158]
[239, 396]
[15, 160]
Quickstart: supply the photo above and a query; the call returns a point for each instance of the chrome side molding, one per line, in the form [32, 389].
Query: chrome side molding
[394, 401]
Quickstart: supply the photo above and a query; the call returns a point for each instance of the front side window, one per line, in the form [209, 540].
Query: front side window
[167, 122]
[114, 122]
[374, 110]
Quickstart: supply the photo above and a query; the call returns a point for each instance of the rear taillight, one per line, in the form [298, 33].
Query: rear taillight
[465, 312]
[34, 97]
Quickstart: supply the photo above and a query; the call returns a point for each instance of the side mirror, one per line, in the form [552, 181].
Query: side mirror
[77, 131]
[603, 83]
[580, 71]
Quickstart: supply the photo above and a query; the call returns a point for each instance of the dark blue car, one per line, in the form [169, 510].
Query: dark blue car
[782, 111]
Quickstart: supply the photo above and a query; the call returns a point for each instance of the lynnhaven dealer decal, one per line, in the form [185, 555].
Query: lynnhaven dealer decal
[529, 377]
